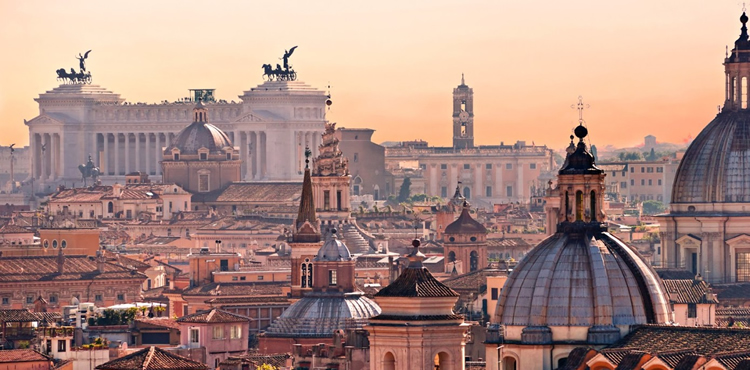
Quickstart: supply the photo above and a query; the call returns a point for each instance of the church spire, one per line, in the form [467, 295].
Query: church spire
[306, 225]
[736, 70]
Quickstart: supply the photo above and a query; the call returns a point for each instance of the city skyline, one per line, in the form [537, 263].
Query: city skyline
[395, 68]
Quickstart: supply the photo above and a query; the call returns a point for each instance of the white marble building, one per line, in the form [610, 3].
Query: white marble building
[270, 126]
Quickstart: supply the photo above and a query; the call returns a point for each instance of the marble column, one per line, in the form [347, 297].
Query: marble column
[116, 136]
[148, 153]
[104, 163]
[253, 153]
[46, 160]
[127, 153]
[263, 155]
[137, 152]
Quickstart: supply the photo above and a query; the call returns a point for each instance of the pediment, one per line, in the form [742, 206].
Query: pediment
[249, 117]
[44, 120]
[688, 239]
[600, 359]
[738, 240]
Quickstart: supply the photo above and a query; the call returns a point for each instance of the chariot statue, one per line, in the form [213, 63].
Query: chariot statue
[285, 73]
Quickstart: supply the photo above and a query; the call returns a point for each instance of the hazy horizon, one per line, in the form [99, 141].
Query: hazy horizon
[643, 67]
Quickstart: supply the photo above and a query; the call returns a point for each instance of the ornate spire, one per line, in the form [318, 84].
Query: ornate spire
[330, 161]
[306, 225]
[200, 112]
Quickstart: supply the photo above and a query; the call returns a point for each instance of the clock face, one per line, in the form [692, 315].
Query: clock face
[463, 116]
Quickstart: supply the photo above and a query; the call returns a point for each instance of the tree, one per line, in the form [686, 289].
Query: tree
[266, 367]
[630, 156]
[652, 207]
[405, 191]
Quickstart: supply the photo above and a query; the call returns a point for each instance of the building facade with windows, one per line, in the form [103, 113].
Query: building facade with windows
[487, 174]
[641, 181]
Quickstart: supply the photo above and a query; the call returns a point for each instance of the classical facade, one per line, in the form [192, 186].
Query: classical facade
[76, 120]
[487, 173]
[580, 286]
[366, 163]
[706, 229]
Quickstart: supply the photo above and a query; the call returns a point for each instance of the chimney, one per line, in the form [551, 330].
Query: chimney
[100, 262]
[60, 261]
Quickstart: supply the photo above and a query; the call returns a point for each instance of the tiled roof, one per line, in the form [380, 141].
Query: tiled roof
[465, 224]
[265, 192]
[275, 360]
[164, 322]
[406, 318]
[630, 361]
[673, 357]
[688, 291]
[733, 291]
[13, 229]
[21, 355]
[44, 268]
[733, 311]
[248, 301]
[213, 315]
[731, 359]
[152, 358]
[237, 289]
[416, 282]
[669, 273]
[475, 281]
[687, 362]
[615, 355]
[19, 315]
[577, 357]
[507, 243]
[705, 341]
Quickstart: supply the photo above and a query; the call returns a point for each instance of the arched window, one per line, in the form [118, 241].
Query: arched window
[110, 207]
[579, 205]
[452, 256]
[593, 205]
[389, 362]
[474, 261]
[304, 275]
[744, 93]
[307, 270]
[734, 89]
[467, 193]
[509, 363]
[442, 361]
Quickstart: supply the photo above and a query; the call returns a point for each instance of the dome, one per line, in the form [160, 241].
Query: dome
[716, 165]
[320, 314]
[201, 134]
[333, 250]
[465, 224]
[570, 279]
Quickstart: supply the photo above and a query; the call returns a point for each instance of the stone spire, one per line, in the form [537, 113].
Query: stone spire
[306, 226]
[330, 161]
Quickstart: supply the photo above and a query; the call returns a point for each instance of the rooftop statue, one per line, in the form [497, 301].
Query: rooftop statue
[73, 77]
[285, 73]
[89, 170]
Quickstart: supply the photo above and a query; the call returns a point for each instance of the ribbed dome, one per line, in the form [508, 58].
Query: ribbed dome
[465, 224]
[319, 314]
[570, 279]
[716, 165]
[199, 135]
[333, 250]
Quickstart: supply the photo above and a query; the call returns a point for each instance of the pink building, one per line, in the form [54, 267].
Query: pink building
[220, 333]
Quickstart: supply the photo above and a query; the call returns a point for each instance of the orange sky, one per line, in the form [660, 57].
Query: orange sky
[644, 66]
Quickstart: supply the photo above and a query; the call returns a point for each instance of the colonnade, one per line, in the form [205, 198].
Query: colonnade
[46, 156]
[120, 153]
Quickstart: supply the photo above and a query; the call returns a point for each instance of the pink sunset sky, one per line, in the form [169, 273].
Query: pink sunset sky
[643, 66]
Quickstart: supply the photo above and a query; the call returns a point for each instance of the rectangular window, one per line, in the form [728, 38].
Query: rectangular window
[338, 200]
[224, 265]
[194, 336]
[509, 191]
[488, 166]
[494, 294]
[659, 169]
[204, 156]
[624, 185]
[488, 191]
[326, 200]
[260, 277]
[643, 169]
[235, 278]
[6, 301]
[29, 299]
[443, 166]
[509, 166]
[643, 182]
[743, 266]
[632, 182]
[650, 170]
[98, 297]
[121, 297]
[692, 310]
[658, 182]
[331, 277]
[650, 182]
[467, 166]
[203, 183]
[62, 345]
[236, 332]
[444, 192]
[532, 166]
[632, 169]
[614, 174]
[243, 278]
[53, 299]
[218, 332]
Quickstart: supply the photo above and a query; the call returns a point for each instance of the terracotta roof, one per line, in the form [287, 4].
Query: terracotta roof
[265, 192]
[237, 289]
[577, 357]
[152, 358]
[705, 341]
[733, 311]
[465, 224]
[416, 282]
[475, 281]
[19, 315]
[674, 357]
[733, 291]
[213, 315]
[13, 229]
[164, 322]
[731, 359]
[669, 273]
[687, 362]
[507, 243]
[44, 268]
[631, 361]
[21, 355]
[688, 291]
[276, 360]
[248, 301]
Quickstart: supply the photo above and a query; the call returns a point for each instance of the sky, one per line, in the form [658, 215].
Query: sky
[642, 66]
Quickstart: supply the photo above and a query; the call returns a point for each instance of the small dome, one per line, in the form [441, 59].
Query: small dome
[201, 134]
[319, 314]
[571, 280]
[333, 250]
[465, 224]
[716, 165]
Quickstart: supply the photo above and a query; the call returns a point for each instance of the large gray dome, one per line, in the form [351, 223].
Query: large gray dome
[320, 314]
[716, 166]
[570, 280]
[199, 135]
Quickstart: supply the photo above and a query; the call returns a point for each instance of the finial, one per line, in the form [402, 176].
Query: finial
[308, 154]
[462, 79]
[580, 131]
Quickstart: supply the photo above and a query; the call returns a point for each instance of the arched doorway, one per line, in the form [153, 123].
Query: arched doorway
[509, 363]
[467, 193]
[452, 256]
[474, 261]
[442, 361]
[389, 362]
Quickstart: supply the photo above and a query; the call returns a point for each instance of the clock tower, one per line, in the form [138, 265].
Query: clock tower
[463, 116]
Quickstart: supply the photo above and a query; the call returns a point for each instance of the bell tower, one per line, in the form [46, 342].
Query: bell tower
[463, 116]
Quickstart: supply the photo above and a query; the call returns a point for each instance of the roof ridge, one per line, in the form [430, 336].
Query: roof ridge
[149, 356]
